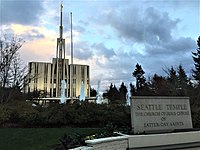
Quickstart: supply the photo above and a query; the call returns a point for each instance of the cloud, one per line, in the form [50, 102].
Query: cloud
[36, 50]
[28, 32]
[141, 26]
[101, 49]
[159, 25]
[40, 42]
[82, 50]
[175, 52]
[32, 35]
[181, 45]
[114, 70]
[174, 47]
[21, 11]
[169, 54]
[152, 28]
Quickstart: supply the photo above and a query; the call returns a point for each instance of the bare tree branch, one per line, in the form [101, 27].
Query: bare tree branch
[10, 68]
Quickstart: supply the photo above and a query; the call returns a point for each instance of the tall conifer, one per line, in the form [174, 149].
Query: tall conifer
[196, 58]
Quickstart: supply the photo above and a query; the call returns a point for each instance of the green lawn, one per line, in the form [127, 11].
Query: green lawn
[36, 138]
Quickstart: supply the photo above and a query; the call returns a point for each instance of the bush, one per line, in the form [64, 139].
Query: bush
[75, 115]
[84, 114]
[8, 115]
[5, 114]
[195, 112]
[8, 95]
[70, 141]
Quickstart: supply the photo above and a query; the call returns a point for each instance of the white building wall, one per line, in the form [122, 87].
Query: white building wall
[54, 74]
[39, 77]
[43, 77]
[80, 73]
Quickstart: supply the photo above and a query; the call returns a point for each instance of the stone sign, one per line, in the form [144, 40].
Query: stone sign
[149, 113]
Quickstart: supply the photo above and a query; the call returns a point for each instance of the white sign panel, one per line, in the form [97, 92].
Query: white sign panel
[160, 113]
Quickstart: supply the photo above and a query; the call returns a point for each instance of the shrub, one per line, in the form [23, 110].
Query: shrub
[77, 115]
[70, 141]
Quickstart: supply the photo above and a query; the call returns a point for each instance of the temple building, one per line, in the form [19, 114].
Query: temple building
[47, 76]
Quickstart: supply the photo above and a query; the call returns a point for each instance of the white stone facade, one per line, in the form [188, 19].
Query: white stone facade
[43, 77]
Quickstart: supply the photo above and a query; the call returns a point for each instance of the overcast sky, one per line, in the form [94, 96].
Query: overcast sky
[111, 36]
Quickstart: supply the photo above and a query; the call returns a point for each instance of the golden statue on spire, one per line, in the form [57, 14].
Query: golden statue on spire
[61, 6]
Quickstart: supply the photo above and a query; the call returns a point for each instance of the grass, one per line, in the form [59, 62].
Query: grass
[36, 138]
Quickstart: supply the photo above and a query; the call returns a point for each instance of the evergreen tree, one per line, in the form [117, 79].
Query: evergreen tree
[182, 77]
[196, 58]
[93, 92]
[172, 76]
[183, 82]
[139, 75]
[123, 90]
[113, 94]
[132, 88]
[160, 86]
[172, 81]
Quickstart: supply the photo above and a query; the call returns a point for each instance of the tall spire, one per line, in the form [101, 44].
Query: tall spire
[60, 57]
[61, 27]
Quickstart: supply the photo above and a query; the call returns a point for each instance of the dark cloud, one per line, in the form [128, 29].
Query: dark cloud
[82, 51]
[159, 25]
[101, 49]
[154, 63]
[21, 11]
[181, 45]
[175, 47]
[148, 26]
